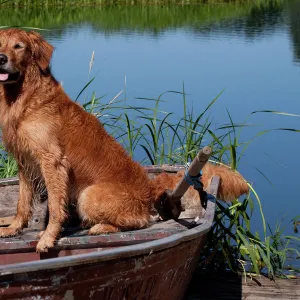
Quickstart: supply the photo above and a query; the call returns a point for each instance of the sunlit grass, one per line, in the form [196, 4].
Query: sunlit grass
[8, 166]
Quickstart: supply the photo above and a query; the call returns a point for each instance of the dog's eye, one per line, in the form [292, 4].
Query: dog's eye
[18, 46]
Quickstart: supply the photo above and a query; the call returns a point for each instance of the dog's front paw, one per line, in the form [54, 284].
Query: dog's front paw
[8, 232]
[44, 244]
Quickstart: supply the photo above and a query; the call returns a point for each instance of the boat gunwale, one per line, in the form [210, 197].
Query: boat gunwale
[147, 248]
[153, 169]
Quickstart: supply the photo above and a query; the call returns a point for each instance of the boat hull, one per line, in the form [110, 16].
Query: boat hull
[160, 275]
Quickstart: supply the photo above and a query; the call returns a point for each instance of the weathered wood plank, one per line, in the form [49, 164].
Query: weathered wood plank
[262, 288]
[227, 286]
[73, 238]
[8, 200]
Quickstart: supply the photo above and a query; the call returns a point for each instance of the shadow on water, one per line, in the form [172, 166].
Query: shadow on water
[213, 286]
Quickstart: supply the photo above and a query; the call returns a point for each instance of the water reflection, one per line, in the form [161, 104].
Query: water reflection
[293, 11]
[249, 21]
[258, 21]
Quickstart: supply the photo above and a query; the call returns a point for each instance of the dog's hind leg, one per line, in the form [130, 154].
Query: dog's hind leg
[112, 208]
[23, 209]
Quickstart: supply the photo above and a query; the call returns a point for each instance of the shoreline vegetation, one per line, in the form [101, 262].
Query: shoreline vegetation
[127, 2]
[153, 20]
[250, 18]
[164, 138]
[133, 13]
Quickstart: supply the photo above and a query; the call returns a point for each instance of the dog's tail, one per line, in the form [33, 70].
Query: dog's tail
[232, 184]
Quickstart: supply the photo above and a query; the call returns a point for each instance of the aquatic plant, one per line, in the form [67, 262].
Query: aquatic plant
[166, 138]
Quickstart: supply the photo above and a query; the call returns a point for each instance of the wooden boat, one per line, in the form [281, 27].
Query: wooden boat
[152, 263]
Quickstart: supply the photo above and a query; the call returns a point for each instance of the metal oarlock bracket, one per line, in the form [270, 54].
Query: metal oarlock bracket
[170, 204]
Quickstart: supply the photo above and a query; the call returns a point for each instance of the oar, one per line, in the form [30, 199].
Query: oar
[170, 205]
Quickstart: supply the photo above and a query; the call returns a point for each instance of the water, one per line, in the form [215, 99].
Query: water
[253, 52]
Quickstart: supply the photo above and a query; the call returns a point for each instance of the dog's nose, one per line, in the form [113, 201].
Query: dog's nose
[3, 59]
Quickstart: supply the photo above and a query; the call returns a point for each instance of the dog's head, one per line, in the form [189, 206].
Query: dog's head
[19, 50]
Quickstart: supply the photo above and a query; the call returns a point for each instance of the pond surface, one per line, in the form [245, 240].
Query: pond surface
[253, 52]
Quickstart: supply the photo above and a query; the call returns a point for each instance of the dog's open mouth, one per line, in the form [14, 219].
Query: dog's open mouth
[8, 77]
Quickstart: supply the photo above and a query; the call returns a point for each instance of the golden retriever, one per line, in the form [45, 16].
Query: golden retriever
[59, 145]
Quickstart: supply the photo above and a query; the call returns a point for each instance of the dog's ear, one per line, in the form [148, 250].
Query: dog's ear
[41, 50]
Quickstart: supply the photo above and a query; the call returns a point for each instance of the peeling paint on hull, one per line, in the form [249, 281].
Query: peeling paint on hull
[162, 274]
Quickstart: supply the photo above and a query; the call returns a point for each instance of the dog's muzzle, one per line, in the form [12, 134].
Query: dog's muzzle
[7, 73]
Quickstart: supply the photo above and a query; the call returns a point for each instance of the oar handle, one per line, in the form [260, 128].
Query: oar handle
[171, 204]
[194, 169]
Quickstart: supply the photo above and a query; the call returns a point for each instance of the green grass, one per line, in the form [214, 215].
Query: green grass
[8, 166]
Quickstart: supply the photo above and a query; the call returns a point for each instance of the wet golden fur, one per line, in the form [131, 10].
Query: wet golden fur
[61, 147]
[232, 183]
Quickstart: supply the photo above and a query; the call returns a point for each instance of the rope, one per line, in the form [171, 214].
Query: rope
[193, 180]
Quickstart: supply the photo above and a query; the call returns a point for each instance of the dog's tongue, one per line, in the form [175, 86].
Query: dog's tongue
[3, 77]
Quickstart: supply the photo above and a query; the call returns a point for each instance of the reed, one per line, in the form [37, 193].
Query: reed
[166, 138]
